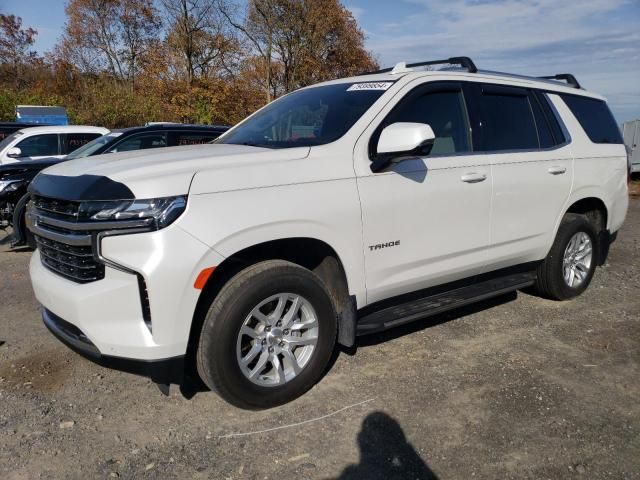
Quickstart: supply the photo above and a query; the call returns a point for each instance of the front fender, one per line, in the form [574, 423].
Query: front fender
[327, 211]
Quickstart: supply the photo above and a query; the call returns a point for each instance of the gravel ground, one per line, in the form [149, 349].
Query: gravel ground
[518, 387]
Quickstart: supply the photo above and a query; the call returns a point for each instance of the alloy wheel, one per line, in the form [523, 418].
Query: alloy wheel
[577, 259]
[277, 339]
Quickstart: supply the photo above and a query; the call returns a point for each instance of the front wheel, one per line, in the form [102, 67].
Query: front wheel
[22, 235]
[268, 335]
[571, 263]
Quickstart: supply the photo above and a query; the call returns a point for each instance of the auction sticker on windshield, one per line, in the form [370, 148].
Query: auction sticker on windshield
[369, 86]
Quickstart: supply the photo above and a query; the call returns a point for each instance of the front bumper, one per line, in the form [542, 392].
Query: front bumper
[167, 371]
[110, 312]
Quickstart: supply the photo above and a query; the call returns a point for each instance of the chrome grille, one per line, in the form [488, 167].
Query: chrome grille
[64, 247]
[75, 263]
[63, 209]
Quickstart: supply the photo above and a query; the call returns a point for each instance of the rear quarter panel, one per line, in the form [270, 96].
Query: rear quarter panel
[600, 171]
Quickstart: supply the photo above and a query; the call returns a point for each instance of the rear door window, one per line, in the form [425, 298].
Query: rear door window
[595, 118]
[191, 138]
[141, 141]
[507, 121]
[552, 117]
[545, 135]
[39, 145]
[73, 141]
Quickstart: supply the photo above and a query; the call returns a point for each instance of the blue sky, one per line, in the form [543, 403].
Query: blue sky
[596, 40]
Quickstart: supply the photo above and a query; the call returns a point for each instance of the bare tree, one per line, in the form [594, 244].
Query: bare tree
[196, 34]
[111, 34]
[258, 26]
[15, 44]
[301, 41]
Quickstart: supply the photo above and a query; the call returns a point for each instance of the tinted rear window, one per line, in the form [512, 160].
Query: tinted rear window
[73, 141]
[195, 138]
[550, 114]
[507, 120]
[595, 118]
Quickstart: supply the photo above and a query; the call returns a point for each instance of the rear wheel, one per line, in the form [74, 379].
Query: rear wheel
[571, 263]
[268, 335]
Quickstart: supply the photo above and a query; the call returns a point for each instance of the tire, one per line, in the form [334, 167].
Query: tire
[22, 234]
[222, 348]
[551, 282]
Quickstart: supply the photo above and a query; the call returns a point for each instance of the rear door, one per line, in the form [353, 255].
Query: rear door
[531, 165]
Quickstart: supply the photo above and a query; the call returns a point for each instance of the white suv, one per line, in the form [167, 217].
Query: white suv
[340, 209]
[53, 141]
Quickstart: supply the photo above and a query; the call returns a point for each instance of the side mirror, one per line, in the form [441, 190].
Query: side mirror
[402, 139]
[14, 152]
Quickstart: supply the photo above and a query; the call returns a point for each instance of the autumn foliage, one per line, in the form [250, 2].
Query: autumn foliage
[126, 62]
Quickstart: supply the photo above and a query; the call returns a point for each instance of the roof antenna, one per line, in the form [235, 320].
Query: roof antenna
[400, 67]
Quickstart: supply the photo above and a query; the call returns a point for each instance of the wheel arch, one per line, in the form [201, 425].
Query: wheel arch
[311, 253]
[593, 207]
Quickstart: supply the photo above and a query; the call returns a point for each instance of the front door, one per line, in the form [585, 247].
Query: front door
[426, 221]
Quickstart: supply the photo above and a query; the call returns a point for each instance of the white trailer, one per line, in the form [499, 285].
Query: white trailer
[631, 135]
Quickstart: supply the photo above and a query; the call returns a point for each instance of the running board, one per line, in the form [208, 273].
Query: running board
[377, 319]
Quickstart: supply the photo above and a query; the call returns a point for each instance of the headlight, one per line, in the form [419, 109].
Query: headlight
[7, 186]
[158, 212]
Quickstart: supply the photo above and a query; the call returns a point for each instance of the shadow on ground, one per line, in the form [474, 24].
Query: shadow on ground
[385, 453]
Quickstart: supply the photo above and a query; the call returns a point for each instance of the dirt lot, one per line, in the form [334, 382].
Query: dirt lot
[515, 388]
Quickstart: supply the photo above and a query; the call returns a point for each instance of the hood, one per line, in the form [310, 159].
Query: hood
[152, 173]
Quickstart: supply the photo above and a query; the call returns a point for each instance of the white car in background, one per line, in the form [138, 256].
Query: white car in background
[53, 141]
[631, 135]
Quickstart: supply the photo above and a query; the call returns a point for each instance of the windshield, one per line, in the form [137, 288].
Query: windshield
[7, 141]
[313, 116]
[91, 147]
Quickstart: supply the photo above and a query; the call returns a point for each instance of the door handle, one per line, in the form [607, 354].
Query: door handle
[473, 177]
[557, 170]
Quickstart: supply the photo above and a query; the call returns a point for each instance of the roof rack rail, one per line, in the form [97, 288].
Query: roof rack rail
[402, 67]
[569, 78]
